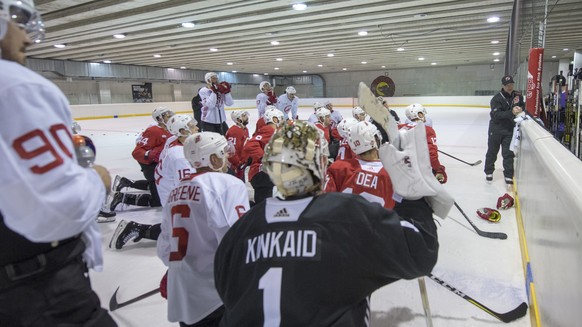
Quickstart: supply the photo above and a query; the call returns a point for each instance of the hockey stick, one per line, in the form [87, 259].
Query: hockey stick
[114, 305]
[496, 235]
[368, 101]
[463, 161]
[506, 317]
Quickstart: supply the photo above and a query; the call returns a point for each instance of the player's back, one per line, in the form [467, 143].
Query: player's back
[314, 261]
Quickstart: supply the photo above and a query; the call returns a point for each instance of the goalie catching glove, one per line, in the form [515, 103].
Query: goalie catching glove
[489, 214]
[410, 171]
[505, 202]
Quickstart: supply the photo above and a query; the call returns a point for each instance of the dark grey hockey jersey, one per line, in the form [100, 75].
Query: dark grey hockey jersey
[314, 261]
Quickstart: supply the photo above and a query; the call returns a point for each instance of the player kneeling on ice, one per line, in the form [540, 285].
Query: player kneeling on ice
[198, 213]
[313, 259]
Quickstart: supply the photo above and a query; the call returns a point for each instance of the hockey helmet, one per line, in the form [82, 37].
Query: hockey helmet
[199, 147]
[363, 137]
[344, 126]
[290, 90]
[317, 105]
[209, 76]
[235, 115]
[262, 85]
[358, 113]
[322, 112]
[23, 13]
[160, 113]
[413, 110]
[182, 125]
[271, 112]
[294, 161]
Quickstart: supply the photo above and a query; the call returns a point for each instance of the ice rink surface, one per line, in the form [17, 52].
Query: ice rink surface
[488, 270]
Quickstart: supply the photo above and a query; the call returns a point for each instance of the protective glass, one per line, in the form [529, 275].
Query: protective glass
[28, 19]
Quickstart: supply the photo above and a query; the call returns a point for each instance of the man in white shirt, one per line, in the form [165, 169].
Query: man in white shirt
[48, 233]
[288, 103]
[214, 97]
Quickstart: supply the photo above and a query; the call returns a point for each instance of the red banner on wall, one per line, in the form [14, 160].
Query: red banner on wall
[533, 103]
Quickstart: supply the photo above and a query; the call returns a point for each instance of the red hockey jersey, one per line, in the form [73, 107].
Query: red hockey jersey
[255, 148]
[150, 144]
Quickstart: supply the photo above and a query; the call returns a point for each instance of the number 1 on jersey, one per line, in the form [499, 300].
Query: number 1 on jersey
[270, 283]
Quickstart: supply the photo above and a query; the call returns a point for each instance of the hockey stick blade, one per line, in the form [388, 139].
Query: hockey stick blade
[496, 235]
[367, 100]
[506, 317]
[114, 305]
[463, 161]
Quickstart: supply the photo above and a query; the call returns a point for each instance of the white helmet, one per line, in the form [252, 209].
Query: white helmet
[357, 111]
[181, 122]
[327, 103]
[199, 147]
[344, 126]
[159, 112]
[271, 113]
[209, 75]
[235, 115]
[290, 90]
[24, 14]
[412, 111]
[263, 84]
[317, 105]
[293, 159]
[363, 137]
[322, 112]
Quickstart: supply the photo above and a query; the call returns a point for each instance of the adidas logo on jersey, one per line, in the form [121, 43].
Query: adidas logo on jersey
[282, 213]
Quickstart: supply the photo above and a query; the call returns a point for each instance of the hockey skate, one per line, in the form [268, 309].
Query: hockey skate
[106, 216]
[115, 200]
[509, 184]
[125, 232]
[120, 183]
[489, 178]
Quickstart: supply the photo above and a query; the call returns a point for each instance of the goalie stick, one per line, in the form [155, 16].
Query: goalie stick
[501, 236]
[368, 101]
[463, 161]
[114, 305]
[506, 317]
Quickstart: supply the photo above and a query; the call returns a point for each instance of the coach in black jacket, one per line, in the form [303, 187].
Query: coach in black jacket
[504, 106]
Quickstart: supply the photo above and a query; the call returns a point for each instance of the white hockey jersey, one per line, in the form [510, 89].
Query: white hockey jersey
[45, 195]
[213, 105]
[262, 103]
[197, 215]
[288, 107]
[336, 118]
[171, 168]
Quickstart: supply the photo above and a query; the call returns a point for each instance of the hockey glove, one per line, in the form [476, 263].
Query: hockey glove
[505, 202]
[440, 174]
[271, 98]
[223, 87]
[489, 214]
[164, 286]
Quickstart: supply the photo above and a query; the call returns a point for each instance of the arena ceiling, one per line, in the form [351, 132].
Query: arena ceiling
[321, 38]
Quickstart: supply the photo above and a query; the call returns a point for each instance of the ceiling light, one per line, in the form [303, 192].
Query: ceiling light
[234, 71]
[362, 33]
[496, 53]
[299, 6]
[157, 56]
[304, 71]
[37, 41]
[433, 63]
[188, 24]
[213, 49]
[265, 73]
[494, 42]
[382, 66]
[275, 42]
[493, 19]
[364, 62]
[554, 57]
[60, 46]
[106, 61]
[319, 65]
[171, 69]
[119, 36]
[229, 63]
[276, 68]
[565, 49]
[421, 58]
[255, 75]
[330, 55]
[496, 59]
[400, 49]
[344, 68]
[279, 59]
[182, 67]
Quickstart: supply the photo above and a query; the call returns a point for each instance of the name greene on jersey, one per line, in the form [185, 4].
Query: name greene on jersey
[282, 245]
[185, 192]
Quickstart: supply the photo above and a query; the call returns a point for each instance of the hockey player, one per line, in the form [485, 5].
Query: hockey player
[253, 153]
[359, 114]
[288, 103]
[323, 122]
[415, 113]
[199, 212]
[214, 97]
[301, 261]
[343, 128]
[505, 105]
[147, 151]
[336, 116]
[363, 175]
[313, 117]
[237, 135]
[48, 202]
[427, 119]
[392, 112]
[267, 97]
